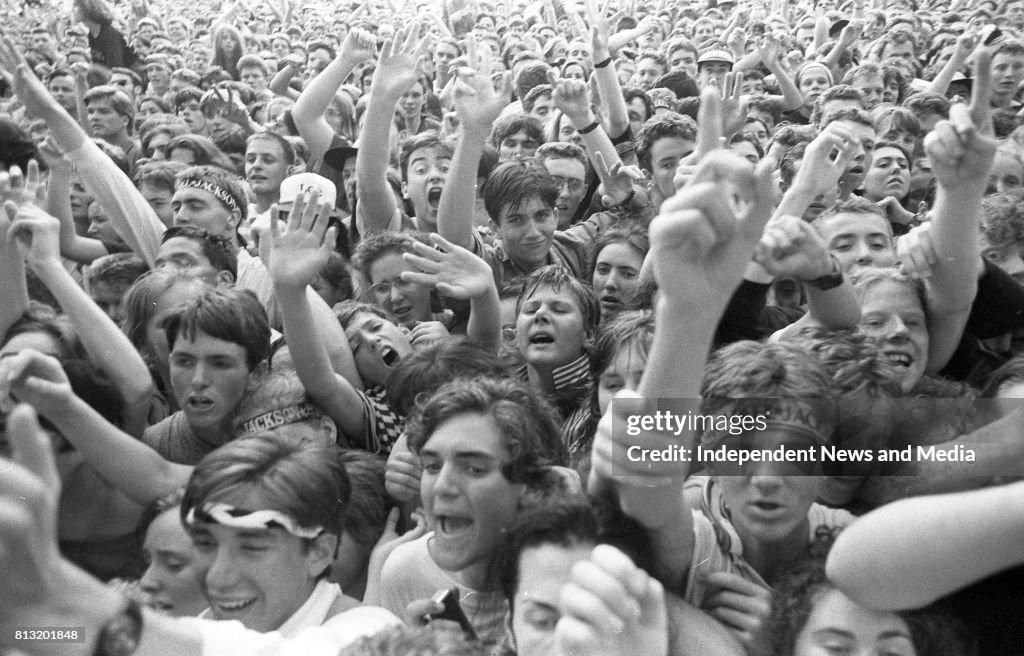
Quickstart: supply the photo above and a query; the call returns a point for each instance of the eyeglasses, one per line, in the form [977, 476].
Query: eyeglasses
[382, 290]
[574, 184]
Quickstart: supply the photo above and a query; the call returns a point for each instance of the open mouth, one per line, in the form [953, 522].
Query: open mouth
[767, 506]
[434, 197]
[610, 301]
[856, 170]
[542, 338]
[234, 606]
[450, 525]
[900, 360]
[199, 403]
[389, 356]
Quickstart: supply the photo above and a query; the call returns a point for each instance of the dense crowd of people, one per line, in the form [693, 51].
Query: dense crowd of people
[350, 327]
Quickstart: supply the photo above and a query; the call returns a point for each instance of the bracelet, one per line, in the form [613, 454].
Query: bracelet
[830, 280]
[603, 63]
[590, 128]
[120, 635]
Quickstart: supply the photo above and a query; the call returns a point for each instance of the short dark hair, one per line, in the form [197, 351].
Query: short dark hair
[429, 139]
[512, 123]
[528, 424]
[662, 126]
[216, 248]
[568, 522]
[512, 183]
[231, 314]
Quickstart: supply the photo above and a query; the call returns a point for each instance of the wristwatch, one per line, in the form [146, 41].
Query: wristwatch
[830, 280]
[120, 635]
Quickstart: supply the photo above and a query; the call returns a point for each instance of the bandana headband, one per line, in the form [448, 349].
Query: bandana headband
[293, 414]
[227, 515]
[220, 192]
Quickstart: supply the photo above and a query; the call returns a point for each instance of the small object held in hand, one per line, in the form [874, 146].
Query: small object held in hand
[452, 611]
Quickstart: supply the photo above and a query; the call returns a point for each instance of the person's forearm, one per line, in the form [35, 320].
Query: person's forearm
[836, 308]
[106, 345]
[318, 94]
[795, 201]
[615, 111]
[376, 200]
[80, 88]
[791, 96]
[58, 205]
[329, 390]
[133, 218]
[954, 280]
[458, 200]
[747, 62]
[821, 34]
[131, 466]
[13, 290]
[945, 76]
[934, 545]
[596, 140]
[484, 326]
[279, 85]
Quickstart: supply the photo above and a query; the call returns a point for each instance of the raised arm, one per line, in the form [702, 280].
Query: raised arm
[961, 151]
[14, 192]
[965, 45]
[131, 466]
[477, 104]
[572, 97]
[459, 274]
[823, 165]
[37, 234]
[132, 216]
[72, 245]
[298, 255]
[309, 109]
[615, 112]
[280, 84]
[934, 545]
[699, 251]
[395, 73]
[792, 247]
[770, 51]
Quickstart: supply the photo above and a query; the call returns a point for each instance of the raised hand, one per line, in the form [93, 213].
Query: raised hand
[298, 255]
[477, 101]
[572, 97]
[825, 160]
[962, 149]
[19, 190]
[895, 211]
[53, 154]
[36, 235]
[705, 234]
[790, 246]
[453, 270]
[617, 182]
[851, 33]
[916, 252]
[358, 46]
[769, 50]
[32, 377]
[398, 63]
[611, 607]
[30, 91]
[734, 104]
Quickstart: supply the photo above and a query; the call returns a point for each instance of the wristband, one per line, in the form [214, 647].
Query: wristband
[590, 128]
[830, 280]
[120, 635]
[603, 63]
